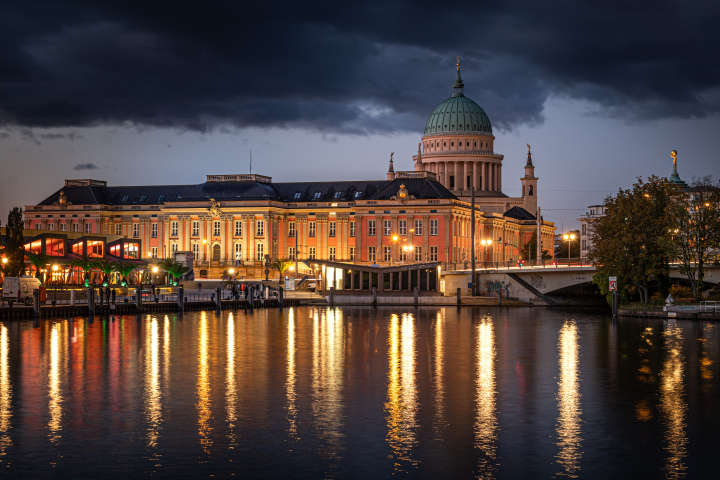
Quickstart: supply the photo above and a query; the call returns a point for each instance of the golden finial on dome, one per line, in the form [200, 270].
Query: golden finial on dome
[458, 62]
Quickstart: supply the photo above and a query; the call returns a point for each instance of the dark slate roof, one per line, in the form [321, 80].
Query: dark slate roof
[519, 213]
[328, 191]
[142, 195]
[420, 188]
[341, 191]
[230, 191]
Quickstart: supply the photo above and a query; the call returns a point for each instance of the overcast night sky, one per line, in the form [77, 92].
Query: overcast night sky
[167, 92]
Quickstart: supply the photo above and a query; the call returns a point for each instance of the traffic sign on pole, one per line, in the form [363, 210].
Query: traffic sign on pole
[613, 284]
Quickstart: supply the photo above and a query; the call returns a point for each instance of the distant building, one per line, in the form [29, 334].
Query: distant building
[237, 220]
[594, 212]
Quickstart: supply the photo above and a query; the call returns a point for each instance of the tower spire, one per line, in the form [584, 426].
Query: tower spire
[529, 160]
[458, 84]
[391, 170]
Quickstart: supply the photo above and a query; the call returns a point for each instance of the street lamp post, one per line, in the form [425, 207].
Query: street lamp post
[486, 243]
[569, 237]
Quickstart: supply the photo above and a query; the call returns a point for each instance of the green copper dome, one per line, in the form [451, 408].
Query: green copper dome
[458, 114]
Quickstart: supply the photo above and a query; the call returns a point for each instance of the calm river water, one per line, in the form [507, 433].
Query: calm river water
[360, 393]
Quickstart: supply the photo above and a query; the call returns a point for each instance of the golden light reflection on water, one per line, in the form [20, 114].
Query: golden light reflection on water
[568, 398]
[153, 395]
[55, 403]
[643, 408]
[486, 422]
[439, 422]
[672, 402]
[401, 405]
[204, 407]
[290, 392]
[231, 397]
[327, 382]
[5, 392]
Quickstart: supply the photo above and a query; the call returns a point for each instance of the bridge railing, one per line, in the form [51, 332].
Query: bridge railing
[544, 263]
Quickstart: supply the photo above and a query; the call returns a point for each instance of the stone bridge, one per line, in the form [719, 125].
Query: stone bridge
[549, 284]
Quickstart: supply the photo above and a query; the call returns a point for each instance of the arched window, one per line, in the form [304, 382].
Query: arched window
[530, 190]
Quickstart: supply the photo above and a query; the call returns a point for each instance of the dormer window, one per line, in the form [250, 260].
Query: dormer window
[317, 194]
[161, 198]
[125, 198]
[143, 198]
[358, 194]
[338, 194]
[297, 195]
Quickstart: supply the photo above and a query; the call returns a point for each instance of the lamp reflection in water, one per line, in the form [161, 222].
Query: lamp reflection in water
[291, 377]
[203, 385]
[568, 401]
[327, 382]
[231, 397]
[439, 422]
[153, 395]
[401, 405]
[486, 423]
[5, 393]
[672, 402]
[54, 388]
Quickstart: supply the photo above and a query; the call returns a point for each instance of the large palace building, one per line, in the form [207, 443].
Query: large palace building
[239, 219]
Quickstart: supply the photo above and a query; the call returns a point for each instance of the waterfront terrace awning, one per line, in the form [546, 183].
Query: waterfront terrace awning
[361, 279]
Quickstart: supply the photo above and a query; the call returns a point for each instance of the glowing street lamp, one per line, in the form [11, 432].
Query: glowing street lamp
[569, 237]
[486, 244]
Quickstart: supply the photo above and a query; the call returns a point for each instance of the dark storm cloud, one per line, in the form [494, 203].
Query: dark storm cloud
[349, 67]
[86, 166]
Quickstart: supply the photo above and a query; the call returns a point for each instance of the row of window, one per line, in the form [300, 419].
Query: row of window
[402, 227]
[452, 144]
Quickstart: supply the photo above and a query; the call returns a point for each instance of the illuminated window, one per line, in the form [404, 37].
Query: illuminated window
[63, 227]
[75, 227]
[118, 229]
[238, 251]
[260, 252]
[88, 227]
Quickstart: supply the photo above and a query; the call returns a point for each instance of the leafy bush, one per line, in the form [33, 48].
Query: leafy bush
[680, 291]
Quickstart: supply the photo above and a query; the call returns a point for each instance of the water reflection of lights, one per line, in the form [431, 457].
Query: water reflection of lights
[643, 409]
[672, 402]
[231, 397]
[5, 392]
[486, 423]
[203, 385]
[439, 416]
[153, 404]
[327, 380]
[568, 398]
[291, 376]
[401, 405]
[54, 391]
